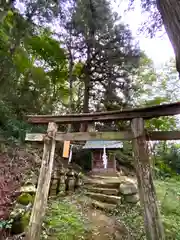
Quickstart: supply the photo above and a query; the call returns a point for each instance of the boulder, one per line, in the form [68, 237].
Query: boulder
[131, 198]
[128, 188]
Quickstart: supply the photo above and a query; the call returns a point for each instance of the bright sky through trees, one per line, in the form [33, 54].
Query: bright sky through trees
[159, 48]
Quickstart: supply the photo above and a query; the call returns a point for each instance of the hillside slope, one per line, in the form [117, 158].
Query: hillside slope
[16, 165]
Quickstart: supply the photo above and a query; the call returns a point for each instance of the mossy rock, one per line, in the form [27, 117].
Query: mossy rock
[131, 198]
[20, 223]
[25, 219]
[25, 199]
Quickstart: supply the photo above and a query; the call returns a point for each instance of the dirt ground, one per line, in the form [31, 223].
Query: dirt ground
[104, 227]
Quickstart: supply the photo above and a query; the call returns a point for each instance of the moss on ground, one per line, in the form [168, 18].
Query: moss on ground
[169, 201]
[64, 221]
[169, 196]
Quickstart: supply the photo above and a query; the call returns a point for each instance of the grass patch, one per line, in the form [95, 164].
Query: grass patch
[169, 196]
[64, 221]
[169, 200]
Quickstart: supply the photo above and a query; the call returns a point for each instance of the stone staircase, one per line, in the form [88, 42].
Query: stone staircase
[107, 192]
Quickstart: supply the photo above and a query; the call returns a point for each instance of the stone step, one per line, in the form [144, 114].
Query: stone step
[118, 179]
[102, 183]
[104, 198]
[105, 177]
[107, 191]
[103, 206]
[107, 174]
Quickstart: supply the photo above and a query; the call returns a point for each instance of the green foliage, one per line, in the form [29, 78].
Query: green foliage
[107, 69]
[33, 73]
[64, 221]
[168, 195]
[6, 224]
[144, 78]
[155, 88]
[109, 55]
[162, 170]
[167, 159]
[161, 123]
[13, 128]
[47, 48]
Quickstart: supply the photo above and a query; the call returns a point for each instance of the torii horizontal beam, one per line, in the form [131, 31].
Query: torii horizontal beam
[85, 136]
[129, 114]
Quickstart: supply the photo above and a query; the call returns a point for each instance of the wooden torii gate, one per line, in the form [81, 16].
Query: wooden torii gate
[138, 135]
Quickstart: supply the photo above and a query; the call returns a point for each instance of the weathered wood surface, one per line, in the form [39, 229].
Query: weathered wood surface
[82, 136]
[163, 135]
[40, 202]
[129, 114]
[86, 136]
[152, 220]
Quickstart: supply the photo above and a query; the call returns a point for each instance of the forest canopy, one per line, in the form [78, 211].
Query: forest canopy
[74, 56]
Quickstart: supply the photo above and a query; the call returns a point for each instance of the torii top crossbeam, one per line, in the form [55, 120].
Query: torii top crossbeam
[128, 114]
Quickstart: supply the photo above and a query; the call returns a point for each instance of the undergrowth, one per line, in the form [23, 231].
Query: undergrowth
[169, 196]
[169, 203]
[64, 221]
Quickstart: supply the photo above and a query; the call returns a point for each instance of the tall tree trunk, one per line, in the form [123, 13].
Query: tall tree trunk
[84, 126]
[170, 13]
[86, 94]
[87, 81]
[71, 64]
[90, 46]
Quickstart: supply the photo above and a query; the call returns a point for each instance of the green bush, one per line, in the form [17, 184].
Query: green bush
[162, 170]
[169, 196]
[13, 126]
[167, 160]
